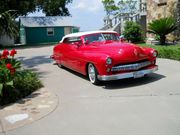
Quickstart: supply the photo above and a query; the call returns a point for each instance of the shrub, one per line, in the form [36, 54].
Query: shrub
[26, 82]
[8, 67]
[168, 52]
[132, 32]
[14, 82]
[162, 27]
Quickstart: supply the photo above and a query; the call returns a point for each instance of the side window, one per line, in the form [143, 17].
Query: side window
[93, 38]
[65, 41]
[72, 40]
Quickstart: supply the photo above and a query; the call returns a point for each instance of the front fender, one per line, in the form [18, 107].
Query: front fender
[98, 59]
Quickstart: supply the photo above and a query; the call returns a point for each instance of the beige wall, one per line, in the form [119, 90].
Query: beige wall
[156, 9]
[160, 8]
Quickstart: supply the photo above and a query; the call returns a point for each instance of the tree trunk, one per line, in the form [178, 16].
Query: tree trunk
[163, 40]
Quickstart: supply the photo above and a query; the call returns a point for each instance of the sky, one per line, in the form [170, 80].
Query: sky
[86, 14]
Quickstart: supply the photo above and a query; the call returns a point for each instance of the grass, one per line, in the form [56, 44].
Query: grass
[168, 52]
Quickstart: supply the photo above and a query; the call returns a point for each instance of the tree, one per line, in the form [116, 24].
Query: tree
[49, 7]
[162, 27]
[123, 6]
[132, 31]
[8, 25]
[127, 6]
[110, 6]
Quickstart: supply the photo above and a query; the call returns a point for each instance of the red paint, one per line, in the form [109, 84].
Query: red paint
[77, 55]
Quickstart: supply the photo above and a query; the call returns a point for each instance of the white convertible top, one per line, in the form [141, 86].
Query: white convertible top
[78, 34]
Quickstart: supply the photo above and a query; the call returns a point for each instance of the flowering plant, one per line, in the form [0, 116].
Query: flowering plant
[8, 67]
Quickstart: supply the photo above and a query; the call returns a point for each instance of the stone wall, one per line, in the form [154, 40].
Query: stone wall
[160, 8]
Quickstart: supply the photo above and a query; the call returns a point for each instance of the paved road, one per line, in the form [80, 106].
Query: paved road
[145, 106]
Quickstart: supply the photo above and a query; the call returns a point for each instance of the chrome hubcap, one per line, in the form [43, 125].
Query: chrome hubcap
[91, 72]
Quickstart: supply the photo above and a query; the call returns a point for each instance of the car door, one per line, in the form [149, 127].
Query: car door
[71, 52]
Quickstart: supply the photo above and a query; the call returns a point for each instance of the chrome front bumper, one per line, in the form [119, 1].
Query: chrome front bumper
[135, 74]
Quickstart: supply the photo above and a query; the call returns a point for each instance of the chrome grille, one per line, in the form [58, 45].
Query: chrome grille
[134, 66]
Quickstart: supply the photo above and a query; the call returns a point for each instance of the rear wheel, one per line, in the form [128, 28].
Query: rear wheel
[59, 65]
[92, 73]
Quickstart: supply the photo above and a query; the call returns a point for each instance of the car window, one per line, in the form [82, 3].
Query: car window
[101, 37]
[93, 38]
[71, 40]
[110, 36]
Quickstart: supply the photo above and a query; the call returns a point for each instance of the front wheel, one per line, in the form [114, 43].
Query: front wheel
[92, 73]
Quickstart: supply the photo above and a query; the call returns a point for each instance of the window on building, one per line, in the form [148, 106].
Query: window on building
[161, 2]
[50, 31]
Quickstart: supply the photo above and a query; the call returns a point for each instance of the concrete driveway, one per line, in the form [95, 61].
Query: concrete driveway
[145, 106]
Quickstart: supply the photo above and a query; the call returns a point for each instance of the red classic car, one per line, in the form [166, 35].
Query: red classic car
[102, 56]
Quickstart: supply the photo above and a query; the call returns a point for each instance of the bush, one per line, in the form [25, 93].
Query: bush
[162, 27]
[24, 84]
[14, 82]
[132, 32]
[8, 67]
[27, 81]
[168, 52]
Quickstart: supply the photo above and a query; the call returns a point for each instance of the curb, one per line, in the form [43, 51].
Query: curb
[28, 110]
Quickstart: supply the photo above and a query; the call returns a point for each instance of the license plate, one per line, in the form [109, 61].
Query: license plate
[138, 74]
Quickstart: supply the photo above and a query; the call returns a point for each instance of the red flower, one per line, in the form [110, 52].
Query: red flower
[5, 54]
[9, 66]
[13, 52]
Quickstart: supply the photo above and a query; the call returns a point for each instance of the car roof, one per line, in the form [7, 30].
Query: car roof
[78, 34]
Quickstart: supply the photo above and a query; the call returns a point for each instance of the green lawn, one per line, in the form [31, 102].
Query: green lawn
[169, 52]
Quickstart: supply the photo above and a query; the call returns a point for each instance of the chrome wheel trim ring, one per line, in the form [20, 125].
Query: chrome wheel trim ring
[91, 73]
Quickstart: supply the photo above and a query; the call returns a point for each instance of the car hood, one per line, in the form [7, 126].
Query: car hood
[119, 50]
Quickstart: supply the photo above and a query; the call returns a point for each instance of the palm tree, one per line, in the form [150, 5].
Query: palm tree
[8, 25]
[162, 27]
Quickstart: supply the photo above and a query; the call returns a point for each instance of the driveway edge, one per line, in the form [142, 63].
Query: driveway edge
[28, 110]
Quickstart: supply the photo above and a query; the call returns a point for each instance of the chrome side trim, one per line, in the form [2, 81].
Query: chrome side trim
[127, 75]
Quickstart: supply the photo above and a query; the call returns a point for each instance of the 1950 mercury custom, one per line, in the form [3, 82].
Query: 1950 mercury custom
[102, 56]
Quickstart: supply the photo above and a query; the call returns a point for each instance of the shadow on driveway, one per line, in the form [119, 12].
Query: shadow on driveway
[130, 82]
[123, 83]
[35, 61]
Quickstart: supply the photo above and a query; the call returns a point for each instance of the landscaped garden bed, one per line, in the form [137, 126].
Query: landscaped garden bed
[166, 51]
[15, 83]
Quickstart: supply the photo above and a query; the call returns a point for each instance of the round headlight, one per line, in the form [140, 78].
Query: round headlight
[109, 61]
[154, 54]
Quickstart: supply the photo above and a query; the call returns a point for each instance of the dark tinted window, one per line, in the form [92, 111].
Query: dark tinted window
[71, 40]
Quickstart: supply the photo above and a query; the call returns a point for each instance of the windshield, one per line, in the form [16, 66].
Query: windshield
[101, 37]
